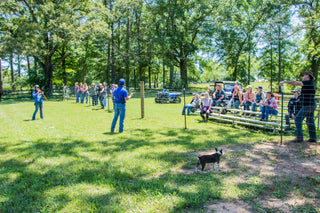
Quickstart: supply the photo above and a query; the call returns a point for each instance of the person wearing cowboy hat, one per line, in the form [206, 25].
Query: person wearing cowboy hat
[308, 91]
[294, 106]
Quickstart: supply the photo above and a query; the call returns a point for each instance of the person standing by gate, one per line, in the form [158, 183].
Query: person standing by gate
[308, 91]
[120, 98]
[38, 101]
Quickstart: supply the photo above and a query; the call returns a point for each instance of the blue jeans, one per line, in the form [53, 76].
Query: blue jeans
[217, 103]
[37, 105]
[84, 95]
[77, 97]
[247, 105]
[94, 100]
[254, 105]
[105, 100]
[306, 112]
[236, 104]
[265, 111]
[189, 107]
[120, 109]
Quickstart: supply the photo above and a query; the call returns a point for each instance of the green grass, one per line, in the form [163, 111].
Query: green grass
[70, 162]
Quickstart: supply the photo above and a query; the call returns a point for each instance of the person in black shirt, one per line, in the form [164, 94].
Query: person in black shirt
[308, 91]
[294, 106]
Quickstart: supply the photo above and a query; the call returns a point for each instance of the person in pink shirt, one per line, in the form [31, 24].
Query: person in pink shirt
[207, 102]
[269, 107]
[248, 98]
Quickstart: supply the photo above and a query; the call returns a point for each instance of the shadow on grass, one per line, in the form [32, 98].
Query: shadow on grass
[112, 175]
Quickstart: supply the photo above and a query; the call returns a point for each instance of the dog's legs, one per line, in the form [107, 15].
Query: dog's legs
[219, 167]
[214, 169]
[203, 165]
[196, 169]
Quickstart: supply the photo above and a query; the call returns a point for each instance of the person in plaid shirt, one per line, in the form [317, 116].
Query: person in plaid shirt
[269, 107]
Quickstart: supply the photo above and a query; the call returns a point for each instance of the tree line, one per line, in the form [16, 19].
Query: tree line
[167, 42]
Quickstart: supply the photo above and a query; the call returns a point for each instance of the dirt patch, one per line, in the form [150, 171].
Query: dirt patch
[239, 207]
[286, 170]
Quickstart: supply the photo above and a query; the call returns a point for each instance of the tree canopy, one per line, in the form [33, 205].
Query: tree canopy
[173, 42]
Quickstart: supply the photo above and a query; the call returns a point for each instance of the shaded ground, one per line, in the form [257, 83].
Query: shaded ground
[290, 174]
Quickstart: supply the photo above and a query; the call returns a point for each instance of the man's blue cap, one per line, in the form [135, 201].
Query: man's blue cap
[36, 86]
[122, 81]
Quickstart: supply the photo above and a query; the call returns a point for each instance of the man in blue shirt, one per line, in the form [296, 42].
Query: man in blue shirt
[38, 100]
[120, 98]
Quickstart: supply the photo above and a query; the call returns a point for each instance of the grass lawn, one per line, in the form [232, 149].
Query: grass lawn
[70, 162]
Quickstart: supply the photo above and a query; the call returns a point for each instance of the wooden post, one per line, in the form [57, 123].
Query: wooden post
[184, 103]
[281, 114]
[142, 98]
[1, 80]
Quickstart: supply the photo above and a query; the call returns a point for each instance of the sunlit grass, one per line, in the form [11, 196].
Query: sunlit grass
[70, 162]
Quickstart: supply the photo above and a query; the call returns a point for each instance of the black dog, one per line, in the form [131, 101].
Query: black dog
[214, 158]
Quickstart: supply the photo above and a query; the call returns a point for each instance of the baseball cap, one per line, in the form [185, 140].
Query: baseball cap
[296, 90]
[237, 82]
[36, 86]
[249, 86]
[259, 87]
[122, 81]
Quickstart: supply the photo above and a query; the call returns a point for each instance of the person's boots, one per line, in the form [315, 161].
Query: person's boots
[207, 116]
[203, 119]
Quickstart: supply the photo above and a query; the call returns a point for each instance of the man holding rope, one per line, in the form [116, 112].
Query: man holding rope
[308, 91]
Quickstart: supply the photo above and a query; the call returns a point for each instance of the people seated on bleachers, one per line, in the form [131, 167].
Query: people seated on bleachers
[294, 105]
[218, 96]
[248, 98]
[195, 103]
[236, 96]
[269, 107]
[259, 99]
[207, 102]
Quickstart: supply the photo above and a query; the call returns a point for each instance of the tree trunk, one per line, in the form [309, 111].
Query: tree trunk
[271, 64]
[183, 72]
[112, 54]
[279, 59]
[35, 66]
[315, 64]
[134, 79]
[19, 66]
[171, 69]
[249, 69]
[108, 65]
[163, 74]
[139, 47]
[149, 71]
[64, 75]
[12, 71]
[127, 55]
[29, 68]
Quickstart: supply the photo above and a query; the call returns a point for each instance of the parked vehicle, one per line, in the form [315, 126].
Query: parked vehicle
[164, 97]
[227, 87]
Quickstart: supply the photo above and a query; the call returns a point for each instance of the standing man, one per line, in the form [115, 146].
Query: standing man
[308, 91]
[38, 101]
[120, 98]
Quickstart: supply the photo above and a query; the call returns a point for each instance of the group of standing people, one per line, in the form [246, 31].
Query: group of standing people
[96, 92]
